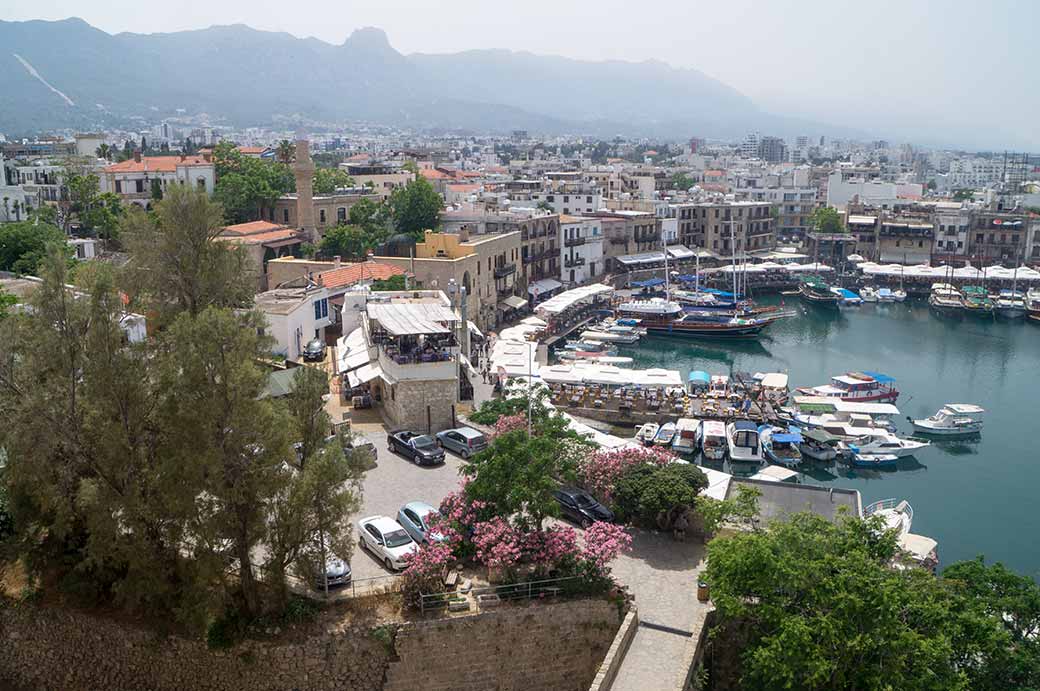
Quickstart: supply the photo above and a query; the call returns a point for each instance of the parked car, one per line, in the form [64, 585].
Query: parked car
[579, 506]
[415, 518]
[465, 441]
[387, 540]
[314, 351]
[421, 449]
[337, 571]
[361, 445]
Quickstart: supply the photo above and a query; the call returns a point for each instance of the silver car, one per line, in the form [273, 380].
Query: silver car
[465, 441]
[415, 518]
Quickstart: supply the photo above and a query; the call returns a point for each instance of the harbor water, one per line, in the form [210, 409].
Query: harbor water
[974, 496]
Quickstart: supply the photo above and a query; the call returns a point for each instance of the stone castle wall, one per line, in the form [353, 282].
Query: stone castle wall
[554, 647]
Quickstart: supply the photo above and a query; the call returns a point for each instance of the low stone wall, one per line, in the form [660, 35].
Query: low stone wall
[550, 647]
[608, 669]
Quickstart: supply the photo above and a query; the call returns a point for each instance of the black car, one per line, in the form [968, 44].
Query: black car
[314, 351]
[421, 449]
[579, 506]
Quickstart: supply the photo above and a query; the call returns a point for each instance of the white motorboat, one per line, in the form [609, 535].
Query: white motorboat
[897, 515]
[886, 296]
[1033, 304]
[1010, 304]
[647, 432]
[687, 431]
[952, 420]
[781, 446]
[874, 460]
[665, 434]
[609, 336]
[713, 440]
[899, 294]
[885, 443]
[868, 294]
[819, 445]
[743, 442]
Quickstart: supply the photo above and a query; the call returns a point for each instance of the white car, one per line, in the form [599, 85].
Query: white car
[387, 540]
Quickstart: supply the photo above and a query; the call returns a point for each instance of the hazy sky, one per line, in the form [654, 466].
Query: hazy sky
[949, 70]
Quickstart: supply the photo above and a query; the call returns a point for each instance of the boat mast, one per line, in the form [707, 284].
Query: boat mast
[733, 258]
[667, 285]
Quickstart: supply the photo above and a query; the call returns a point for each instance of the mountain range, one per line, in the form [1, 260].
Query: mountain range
[70, 74]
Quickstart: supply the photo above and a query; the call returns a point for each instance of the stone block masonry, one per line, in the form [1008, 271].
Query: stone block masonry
[538, 647]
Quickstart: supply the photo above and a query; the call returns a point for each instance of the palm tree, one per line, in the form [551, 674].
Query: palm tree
[104, 151]
[284, 152]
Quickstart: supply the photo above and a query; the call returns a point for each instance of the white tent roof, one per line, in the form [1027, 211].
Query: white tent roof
[543, 286]
[364, 374]
[594, 373]
[351, 351]
[561, 302]
[411, 318]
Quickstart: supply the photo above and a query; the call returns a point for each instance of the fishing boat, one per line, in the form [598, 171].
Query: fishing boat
[814, 290]
[946, 299]
[1033, 304]
[665, 434]
[743, 442]
[687, 431]
[646, 433]
[847, 298]
[818, 445]
[897, 515]
[886, 443]
[868, 294]
[874, 460]
[1010, 304]
[857, 386]
[713, 440]
[952, 420]
[667, 318]
[977, 301]
[780, 446]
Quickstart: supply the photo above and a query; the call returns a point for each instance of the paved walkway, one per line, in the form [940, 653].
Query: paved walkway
[662, 575]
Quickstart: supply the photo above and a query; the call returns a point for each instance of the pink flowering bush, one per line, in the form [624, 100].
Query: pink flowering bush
[497, 543]
[424, 572]
[456, 520]
[510, 423]
[604, 542]
[547, 549]
[601, 470]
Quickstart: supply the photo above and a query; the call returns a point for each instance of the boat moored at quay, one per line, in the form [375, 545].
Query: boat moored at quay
[668, 318]
[861, 387]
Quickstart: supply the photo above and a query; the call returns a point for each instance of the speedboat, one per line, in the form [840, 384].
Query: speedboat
[646, 433]
[1033, 304]
[743, 442]
[1010, 304]
[897, 515]
[884, 443]
[952, 420]
[899, 295]
[874, 460]
[665, 434]
[818, 445]
[868, 294]
[847, 298]
[885, 295]
[780, 446]
[593, 335]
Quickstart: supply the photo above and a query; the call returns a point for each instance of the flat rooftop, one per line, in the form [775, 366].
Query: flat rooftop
[780, 499]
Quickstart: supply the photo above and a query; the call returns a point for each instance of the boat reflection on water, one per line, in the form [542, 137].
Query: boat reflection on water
[904, 465]
[668, 351]
[964, 446]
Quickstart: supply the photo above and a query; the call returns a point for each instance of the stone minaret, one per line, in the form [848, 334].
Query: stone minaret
[303, 168]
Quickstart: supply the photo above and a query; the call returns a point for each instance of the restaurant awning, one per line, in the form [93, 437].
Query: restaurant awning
[363, 375]
[543, 286]
[513, 302]
[412, 318]
[473, 327]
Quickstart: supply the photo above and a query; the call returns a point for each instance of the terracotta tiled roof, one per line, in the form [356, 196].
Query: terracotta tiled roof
[459, 187]
[349, 274]
[252, 149]
[156, 164]
[250, 228]
[433, 174]
[262, 238]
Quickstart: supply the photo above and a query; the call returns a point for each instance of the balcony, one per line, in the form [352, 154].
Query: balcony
[441, 365]
[573, 262]
[574, 242]
[505, 270]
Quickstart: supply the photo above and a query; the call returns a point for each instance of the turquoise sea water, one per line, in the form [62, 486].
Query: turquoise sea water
[975, 497]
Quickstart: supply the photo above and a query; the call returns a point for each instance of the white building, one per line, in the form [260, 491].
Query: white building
[952, 225]
[132, 179]
[295, 316]
[581, 254]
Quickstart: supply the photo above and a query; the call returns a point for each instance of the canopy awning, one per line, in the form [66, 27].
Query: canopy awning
[364, 374]
[513, 302]
[543, 286]
[879, 378]
[561, 302]
[408, 319]
[473, 327]
[699, 376]
[351, 351]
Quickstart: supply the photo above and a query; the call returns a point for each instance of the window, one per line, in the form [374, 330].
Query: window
[980, 238]
[321, 216]
[201, 184]
[321, 309]
[341, 214]
[119, 186]
[139, 185]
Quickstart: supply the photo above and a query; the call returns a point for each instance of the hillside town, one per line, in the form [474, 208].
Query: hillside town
[352, 406]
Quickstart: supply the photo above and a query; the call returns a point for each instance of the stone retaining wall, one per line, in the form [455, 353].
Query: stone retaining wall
[550, 647]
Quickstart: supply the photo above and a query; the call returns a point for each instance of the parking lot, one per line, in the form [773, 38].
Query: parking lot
[394, 482]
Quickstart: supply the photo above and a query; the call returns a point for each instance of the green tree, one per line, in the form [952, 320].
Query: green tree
[285, 152]
[156, 193]
[98, 213]
[517, 473]
[104, 151]
[328, 180]
[349, 242]
[247, 187]
[7, 301]
[412, 167]
[827, 220]
[372, 217]
[176, 263]
[682, 181]
[820, 607]
[416, 208]
[545, 206]
[654, 496]
[393, 283]
[23, 245]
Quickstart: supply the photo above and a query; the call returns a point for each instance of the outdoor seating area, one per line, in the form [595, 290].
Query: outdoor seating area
[417, 349]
